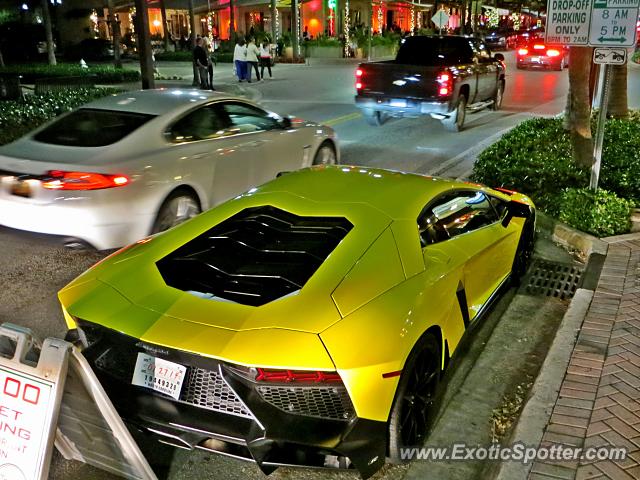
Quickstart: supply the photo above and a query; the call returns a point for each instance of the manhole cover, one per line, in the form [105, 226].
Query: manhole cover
[552, 279]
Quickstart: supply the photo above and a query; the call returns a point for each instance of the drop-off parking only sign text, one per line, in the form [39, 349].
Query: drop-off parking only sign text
[592, 22]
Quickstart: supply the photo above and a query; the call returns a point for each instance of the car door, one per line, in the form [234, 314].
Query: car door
[467, 222]
[487, 71]
[206, 146]
[278, 148]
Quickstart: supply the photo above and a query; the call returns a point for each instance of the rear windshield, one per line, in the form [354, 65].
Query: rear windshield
[91, 128]
[434, 51]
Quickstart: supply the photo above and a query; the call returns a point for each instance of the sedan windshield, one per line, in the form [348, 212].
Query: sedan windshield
[91, 128]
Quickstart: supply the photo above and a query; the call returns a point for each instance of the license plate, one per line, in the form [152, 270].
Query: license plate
[158, 375]
[535, 59]
[21, 188]
[398, 103]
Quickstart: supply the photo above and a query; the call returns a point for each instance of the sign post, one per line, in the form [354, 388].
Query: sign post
[595, 23]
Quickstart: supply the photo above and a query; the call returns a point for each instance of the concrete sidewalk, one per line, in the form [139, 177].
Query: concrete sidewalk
[598, 404]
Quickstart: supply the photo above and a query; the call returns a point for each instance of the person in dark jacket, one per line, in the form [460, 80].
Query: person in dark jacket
[201, 60]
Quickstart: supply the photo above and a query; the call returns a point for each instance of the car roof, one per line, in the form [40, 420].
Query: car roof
[398, 195]
[156, 102]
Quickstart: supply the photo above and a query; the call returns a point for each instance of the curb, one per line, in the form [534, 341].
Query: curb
[582, 243]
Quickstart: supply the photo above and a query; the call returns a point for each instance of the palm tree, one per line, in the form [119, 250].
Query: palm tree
[232, 21]
[618, 106]
[48, 31]
[115, 31]
[577, 116]
[165, 29]
[192, 26]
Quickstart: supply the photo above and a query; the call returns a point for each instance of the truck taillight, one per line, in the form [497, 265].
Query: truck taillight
[359, 73]
[444, 84]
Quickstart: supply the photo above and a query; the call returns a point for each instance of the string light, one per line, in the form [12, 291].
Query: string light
[94, 20]
[419, 20]
[132, 14]
[210, 18]
[412, 23]
[332, 15]
[380, 15]
[346, 28]
[298, 30]
[516, 21]
[277, 20]
[493, 19]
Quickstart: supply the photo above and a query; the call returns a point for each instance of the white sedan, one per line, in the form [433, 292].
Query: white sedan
[127, 165]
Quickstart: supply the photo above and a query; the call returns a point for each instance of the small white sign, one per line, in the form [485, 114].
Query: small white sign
[440, 19]
[610, 56]
[24, 412]
[159, 375]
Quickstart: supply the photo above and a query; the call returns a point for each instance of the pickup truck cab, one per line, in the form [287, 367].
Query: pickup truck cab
[440, 76]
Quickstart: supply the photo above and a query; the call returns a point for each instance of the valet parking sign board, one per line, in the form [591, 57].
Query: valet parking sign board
[595, 23]
[24, 416]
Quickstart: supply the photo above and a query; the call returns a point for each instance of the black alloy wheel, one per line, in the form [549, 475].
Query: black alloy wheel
[413, 410]
[524, 252]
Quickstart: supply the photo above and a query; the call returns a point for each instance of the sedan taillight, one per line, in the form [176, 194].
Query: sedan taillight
[296, 376]
[552, 52]
[59, 180]
[523, 51]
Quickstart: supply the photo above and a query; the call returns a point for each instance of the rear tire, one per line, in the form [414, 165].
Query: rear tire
[374, 117]
[412, 413]
[326, 154]
[455, 121]
[178, 207]
[524, 252]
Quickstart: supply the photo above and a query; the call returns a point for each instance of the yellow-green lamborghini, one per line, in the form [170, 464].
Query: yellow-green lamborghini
[305, 322]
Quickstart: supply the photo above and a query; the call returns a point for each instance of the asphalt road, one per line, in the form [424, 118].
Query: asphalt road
[34, 268]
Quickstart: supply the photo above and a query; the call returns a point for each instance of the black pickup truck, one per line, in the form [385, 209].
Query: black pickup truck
[441, 76]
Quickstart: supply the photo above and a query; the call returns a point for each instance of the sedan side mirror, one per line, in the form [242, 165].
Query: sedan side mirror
[499, 57]
[516, 209]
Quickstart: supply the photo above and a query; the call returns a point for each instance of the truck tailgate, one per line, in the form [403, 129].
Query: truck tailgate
[403, 81]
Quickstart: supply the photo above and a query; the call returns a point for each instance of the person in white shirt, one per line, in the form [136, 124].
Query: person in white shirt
[265, 59]
[252, 59]
[240, 60]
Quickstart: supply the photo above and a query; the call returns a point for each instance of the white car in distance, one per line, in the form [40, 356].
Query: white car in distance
[128, 165]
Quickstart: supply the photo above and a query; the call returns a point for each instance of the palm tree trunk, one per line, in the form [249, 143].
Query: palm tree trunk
[115, 31]
[274, 21]
[192, 26]
[165, 28]
[618, 101]
[1, 59]
[48, 31]
[232, 21]
[578, 112]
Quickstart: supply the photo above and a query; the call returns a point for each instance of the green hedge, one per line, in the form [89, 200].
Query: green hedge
[600, 212]
[636, 56]
[19, 117]
[535, 158]
[103, 74]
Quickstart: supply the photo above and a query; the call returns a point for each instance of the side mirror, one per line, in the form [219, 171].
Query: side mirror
[285, 123]
[499, 57]
[515, 209]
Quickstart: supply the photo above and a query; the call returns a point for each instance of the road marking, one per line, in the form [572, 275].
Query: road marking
[344, 118]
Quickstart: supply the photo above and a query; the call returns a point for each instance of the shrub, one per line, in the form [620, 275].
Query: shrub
[636, 56]
[533, 158]
[598, 212]
[103, 74]
[19, 117]
[177, 56]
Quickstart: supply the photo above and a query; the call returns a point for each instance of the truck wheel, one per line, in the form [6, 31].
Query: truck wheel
[455, 121]
[374, 117]
[497, 98]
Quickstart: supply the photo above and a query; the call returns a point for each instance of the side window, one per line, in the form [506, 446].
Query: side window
[247, 118]
[201, 124]
[455, 214]
[481, 51]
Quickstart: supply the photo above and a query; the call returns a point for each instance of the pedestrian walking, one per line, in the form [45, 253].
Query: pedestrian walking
[252, 59]
[240, 59]
[265, 58]
[201, 60]
[207, 48]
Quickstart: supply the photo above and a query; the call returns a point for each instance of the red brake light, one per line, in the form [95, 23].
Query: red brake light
[58, 180]
[444, 84]
[523, 51]
[552, 52]
[358, 73]
[537, 46]
[303, 376]
[358, 85]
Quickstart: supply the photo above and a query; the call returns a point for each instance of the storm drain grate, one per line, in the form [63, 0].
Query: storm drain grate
[552, 279]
